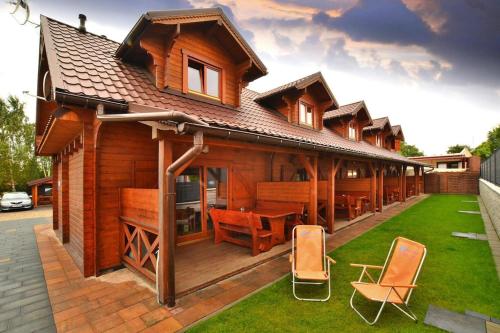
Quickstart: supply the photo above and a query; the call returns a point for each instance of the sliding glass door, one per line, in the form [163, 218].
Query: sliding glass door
[198, 190]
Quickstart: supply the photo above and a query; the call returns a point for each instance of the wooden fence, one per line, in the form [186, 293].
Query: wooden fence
[452, 182]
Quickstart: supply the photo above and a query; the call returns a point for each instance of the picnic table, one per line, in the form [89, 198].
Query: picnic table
[277, 219]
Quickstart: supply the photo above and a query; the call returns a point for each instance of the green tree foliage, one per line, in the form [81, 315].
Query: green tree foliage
[410, 150]
[457, 149]
[492, 143]
[18, 163]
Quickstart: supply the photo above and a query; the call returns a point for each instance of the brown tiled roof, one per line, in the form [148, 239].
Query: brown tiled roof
[298, 84]
[348, 109]
[83, 64]
[396, 129]
[378, 123]
[39, 181]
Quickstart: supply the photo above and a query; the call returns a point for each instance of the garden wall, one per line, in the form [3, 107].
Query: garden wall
[490, 194]
[452, 182]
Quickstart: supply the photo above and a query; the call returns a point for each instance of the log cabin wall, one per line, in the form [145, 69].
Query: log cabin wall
[75, 243]
[195, 42]
[126, 157]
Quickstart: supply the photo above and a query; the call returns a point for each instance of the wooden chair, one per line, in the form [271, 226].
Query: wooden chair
[354, 207]
[230, 225]
[310, 264]
[397, 279]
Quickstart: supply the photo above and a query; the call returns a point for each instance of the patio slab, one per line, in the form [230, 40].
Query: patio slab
[453, 321]
[104, 304]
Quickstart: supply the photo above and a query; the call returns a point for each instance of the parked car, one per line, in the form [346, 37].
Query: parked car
[15, 200]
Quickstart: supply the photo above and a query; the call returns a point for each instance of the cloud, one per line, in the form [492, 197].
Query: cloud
[384, 21]
[339, 58]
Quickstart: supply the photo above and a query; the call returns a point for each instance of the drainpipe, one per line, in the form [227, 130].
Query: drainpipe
[168, 226]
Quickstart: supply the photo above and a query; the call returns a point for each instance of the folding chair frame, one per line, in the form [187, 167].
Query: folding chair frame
[400, 307]
[326, 263]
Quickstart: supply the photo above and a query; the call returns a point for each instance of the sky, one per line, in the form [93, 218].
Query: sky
[432, 66]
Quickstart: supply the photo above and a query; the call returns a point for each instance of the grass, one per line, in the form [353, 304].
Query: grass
[458, 274]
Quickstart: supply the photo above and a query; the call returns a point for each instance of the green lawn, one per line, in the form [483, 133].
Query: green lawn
[458, 274]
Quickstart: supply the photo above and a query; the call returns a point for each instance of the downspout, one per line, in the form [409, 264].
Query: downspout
[189, 155]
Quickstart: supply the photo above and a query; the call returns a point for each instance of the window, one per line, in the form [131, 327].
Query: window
[352, 173]
[305, 114]
[188, 202]
[352, 131]
[203, 79]
[378, 139]
[441, 165]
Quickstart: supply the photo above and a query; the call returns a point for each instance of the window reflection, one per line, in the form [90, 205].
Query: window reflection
[216, 190]
[188, 202]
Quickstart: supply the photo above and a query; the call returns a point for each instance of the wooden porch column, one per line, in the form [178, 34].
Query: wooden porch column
[55, 193]
[64, 195]
[312, 172]
[313, 195]
[416, 170]
[423, 180]
[330, 189]
[34, 195]
[403, 184]
[373, 187]
[165, 269]
[86, 143]
[380, 194]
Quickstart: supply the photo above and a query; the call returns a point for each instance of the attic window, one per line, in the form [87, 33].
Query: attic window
[352, 131]
[378, 139]
[305, 114]
[203, 78]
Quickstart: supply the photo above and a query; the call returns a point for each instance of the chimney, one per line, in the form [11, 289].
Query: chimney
[82, 28]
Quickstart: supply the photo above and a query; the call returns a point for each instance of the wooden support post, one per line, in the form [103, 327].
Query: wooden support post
[380, 194]
[34, 195]
[164, 269]
[313, 202]
[423, 180]
[330, 188]
[403, 184]
[373, 187]
[86, 142]
[415, 187]
[55, 193]
[64, 195]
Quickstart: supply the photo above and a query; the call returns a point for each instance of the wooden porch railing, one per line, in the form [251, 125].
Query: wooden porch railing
[139, 229]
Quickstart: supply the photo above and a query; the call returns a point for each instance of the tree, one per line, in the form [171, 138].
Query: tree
[492, 143]
[457, 149]
[18, 163]
[410, 150]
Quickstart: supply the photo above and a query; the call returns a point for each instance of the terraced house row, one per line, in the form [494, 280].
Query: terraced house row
[150, 137]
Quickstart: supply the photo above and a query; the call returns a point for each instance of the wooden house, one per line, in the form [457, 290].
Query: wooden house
[148, 136]
[41, 191]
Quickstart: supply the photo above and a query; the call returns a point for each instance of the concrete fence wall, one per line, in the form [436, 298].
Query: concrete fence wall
[490, 194]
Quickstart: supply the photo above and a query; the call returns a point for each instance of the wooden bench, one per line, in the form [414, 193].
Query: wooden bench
[228, 224]
[349, 202]
[296, 207]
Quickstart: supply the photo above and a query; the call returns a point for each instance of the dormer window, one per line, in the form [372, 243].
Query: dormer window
[203, 79]
[305, 114]
[378, 140]
[352, 131]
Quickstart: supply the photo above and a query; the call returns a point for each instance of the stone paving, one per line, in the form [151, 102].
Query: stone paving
[24, 301]
[99, 305]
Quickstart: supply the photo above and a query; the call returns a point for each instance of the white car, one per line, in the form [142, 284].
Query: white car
[15, 200]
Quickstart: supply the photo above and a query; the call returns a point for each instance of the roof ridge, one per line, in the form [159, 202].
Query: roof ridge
[73, 27]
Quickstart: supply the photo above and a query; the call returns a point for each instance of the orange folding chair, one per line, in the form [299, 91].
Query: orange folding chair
[397, 279]
[310, 264]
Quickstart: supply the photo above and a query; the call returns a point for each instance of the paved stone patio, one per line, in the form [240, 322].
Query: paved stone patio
[99, 305]
[24, 301]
